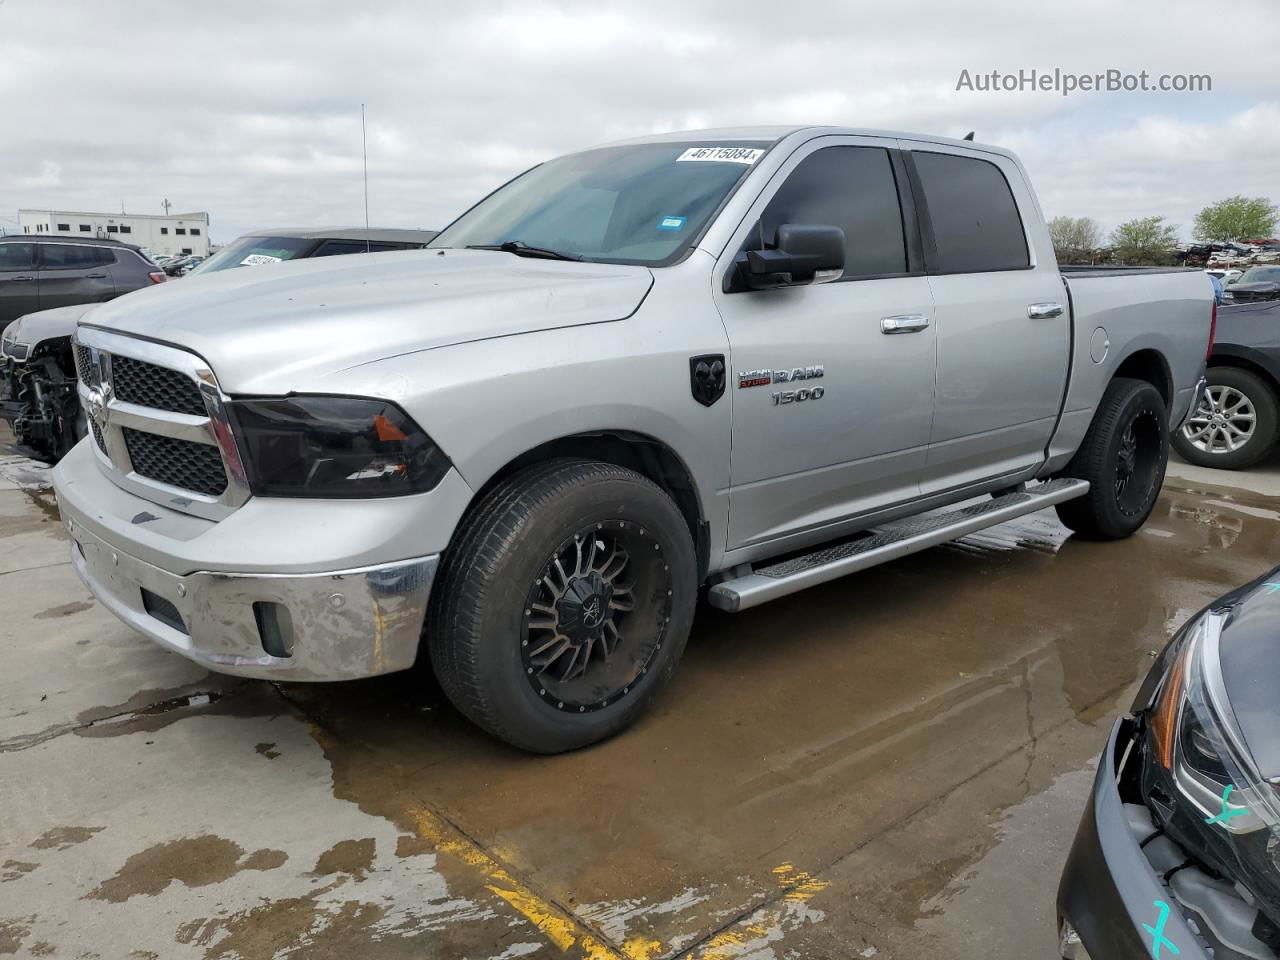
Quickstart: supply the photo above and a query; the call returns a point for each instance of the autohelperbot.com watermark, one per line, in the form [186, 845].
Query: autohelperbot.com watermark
[1066, 82]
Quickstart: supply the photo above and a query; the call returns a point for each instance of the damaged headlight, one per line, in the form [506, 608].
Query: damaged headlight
[1201, 779]
[318, 446]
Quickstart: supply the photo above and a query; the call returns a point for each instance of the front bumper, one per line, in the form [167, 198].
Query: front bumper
[326, 626]
[1110, 892]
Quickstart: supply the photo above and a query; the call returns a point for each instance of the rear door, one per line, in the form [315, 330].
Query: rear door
[19, 287]
[831, 384]
[74, 273]
[1003, 327]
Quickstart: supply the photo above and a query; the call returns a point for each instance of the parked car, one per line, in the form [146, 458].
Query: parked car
[39, 398]
[1178, 853]
[520, 436]
[1238, 420]
[274, 246]
[1227, 275]
[181, 265]
[38, 272]
[1257, 284]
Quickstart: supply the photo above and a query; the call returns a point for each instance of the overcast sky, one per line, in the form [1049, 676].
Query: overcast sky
[251, 110]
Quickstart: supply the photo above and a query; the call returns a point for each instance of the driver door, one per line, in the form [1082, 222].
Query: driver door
[831, 384]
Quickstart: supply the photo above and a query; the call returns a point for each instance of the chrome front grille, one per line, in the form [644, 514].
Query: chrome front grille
[179, 463]
[159, 423]
[149, 385]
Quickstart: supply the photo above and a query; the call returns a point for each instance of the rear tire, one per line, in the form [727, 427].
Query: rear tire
[1123, 457]
[564, 604]
[1236, 424]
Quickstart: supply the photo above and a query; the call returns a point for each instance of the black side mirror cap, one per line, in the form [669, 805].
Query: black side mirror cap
[802, 253]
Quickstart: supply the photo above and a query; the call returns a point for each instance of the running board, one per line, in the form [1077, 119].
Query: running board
[888, 542]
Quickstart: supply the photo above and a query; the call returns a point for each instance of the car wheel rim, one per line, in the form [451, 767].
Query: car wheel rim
[1223, 423]
[596, 616]
[1137, 463]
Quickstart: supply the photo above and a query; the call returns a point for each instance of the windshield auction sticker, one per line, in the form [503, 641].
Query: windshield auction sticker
[257, 260]
[747, 155]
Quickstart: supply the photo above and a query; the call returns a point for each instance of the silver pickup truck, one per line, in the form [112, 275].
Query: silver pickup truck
[752, 360]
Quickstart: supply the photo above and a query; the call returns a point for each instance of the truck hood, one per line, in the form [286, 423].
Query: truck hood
[277, 328]
[34, 328]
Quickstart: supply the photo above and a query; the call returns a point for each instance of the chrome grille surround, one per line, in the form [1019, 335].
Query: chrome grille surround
[110, 416]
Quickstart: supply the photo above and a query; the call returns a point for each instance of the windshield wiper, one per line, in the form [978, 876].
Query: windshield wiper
[522, 249]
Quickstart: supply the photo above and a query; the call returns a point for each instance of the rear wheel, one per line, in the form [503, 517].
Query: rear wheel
[1123, 457]
[565, 604]
[1235, 424]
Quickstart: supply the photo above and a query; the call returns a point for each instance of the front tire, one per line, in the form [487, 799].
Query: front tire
[564, 605]
[1236, 423]
[1123, 457]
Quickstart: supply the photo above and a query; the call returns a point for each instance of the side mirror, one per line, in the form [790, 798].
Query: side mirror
[802, 253]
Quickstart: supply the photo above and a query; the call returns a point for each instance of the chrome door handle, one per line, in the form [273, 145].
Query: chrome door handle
[1044, 311]
[904, 323]
[16, 279]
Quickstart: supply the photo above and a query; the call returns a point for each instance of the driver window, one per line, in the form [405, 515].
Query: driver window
[852, 188]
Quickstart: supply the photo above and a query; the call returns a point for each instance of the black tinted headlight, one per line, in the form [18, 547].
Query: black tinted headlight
[334, 447]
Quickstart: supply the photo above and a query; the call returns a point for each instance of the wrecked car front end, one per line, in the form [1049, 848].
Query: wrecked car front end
[1178, 853]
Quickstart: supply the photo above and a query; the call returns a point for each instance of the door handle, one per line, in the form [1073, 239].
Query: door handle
[19, 279]
[1044, 311]
[904, 323]
[95, 276]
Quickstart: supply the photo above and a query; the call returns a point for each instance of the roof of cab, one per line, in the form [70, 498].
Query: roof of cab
[774, 134]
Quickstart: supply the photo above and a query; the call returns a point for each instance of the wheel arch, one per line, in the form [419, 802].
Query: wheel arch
[1243, 358]
[1150, 365]
[644, 454]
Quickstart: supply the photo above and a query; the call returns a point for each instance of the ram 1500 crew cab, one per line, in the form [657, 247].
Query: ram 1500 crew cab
[750, 359]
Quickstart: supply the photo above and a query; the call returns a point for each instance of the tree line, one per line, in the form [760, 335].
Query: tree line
[1149, 240]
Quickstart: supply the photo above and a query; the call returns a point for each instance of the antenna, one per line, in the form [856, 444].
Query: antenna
[969, 135]
[364, 149]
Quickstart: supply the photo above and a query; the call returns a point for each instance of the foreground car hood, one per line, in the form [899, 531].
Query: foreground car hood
[1250, 655]
[33, 328]
[278, 328]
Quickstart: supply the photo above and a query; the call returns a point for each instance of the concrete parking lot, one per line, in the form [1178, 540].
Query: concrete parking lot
[889, 766]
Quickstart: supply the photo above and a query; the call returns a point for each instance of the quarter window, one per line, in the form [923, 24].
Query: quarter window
[852, 188]
[976, 226]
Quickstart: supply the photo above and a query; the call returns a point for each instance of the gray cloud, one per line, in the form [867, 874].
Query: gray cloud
[251, 110]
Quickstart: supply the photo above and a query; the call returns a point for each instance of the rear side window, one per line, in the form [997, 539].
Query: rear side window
[976, 227]
[852, 188]
[17, 256]
[58, 256]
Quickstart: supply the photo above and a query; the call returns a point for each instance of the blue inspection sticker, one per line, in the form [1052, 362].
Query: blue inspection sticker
[672, 223]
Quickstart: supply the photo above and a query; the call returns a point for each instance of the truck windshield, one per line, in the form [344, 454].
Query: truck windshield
[642, 204]
[253, 252]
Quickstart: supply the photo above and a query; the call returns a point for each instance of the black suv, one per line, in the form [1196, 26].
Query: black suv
[39, 272]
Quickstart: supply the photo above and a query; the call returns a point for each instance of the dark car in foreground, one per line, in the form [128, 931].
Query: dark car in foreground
[1178, 853]
[273, 246]
[39, 271]
[1238, 420]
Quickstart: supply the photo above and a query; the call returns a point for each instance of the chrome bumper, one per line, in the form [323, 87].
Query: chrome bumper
[329, 626]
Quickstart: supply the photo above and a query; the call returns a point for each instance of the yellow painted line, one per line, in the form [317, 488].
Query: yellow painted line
[798, 887]
[554, 922]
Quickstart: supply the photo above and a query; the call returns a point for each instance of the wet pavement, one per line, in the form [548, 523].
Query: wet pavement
[891, 765]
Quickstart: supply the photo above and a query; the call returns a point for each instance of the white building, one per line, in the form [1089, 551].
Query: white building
[179, 233]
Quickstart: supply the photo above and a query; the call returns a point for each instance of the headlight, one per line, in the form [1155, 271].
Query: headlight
[1222, 808]
[316, 446]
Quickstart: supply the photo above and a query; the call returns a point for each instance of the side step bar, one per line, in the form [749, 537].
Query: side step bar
[888, 542]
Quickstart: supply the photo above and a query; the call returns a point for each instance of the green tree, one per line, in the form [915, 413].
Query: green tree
[1237, 218]
[1075, 239]
[1146, 240]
